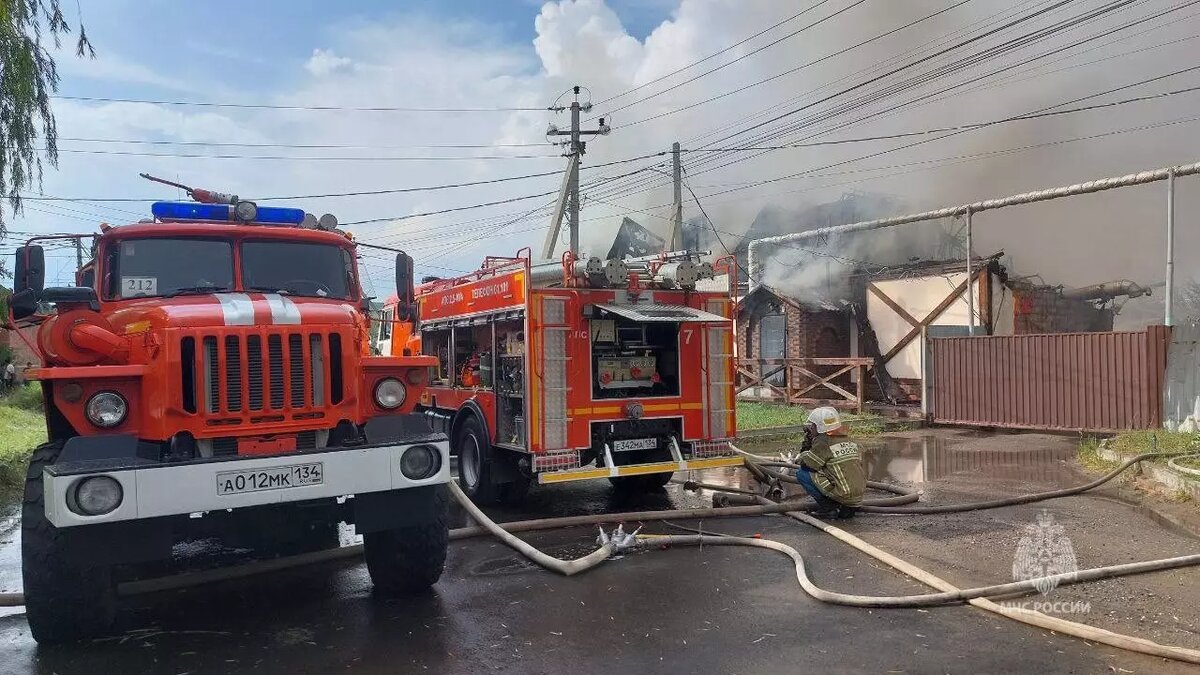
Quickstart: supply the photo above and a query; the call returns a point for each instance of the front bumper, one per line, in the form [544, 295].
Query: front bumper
[151, 490]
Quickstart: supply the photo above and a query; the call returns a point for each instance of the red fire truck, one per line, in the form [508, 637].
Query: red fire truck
[567, 371]
[208, 375]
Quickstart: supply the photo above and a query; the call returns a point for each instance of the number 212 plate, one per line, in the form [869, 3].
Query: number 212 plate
[272, 478]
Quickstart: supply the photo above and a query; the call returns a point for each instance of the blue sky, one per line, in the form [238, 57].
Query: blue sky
[525, 53]
[234, 44]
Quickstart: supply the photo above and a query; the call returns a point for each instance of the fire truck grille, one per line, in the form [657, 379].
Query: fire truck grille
[233, 374]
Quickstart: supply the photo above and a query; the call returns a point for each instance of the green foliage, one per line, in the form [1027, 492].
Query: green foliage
[751, 415]
[1136, 442]
[23, 431]
[28, 77]
[767, 415]
[27, 396]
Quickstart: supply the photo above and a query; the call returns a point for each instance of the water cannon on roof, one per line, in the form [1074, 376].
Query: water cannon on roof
[209, 205]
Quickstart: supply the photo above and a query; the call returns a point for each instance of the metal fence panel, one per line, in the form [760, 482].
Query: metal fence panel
[1181, 387]
[1068, 381]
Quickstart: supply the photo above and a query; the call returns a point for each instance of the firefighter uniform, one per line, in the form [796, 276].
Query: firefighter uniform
[836, 469]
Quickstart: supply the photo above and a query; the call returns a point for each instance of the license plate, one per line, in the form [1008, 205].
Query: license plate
[635, 444]
[273, 478]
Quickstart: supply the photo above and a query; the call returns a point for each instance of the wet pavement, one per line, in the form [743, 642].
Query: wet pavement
[685, 610]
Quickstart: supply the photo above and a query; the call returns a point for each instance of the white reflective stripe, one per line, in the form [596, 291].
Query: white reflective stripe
[237, 308]
[284, 312]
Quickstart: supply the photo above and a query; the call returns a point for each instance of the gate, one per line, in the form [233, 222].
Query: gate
[1068, 381]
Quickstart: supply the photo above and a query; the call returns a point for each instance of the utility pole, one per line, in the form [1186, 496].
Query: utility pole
[1169, 319]
[78, 253]
[569, 195]
[677, 212]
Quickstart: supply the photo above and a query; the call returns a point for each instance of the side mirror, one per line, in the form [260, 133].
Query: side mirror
[29, 273]
[404, 284]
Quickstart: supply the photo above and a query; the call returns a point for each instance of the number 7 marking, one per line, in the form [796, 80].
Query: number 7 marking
[687, 336]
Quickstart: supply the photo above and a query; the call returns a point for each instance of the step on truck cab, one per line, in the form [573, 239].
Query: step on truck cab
[564, 371]
[211, 375]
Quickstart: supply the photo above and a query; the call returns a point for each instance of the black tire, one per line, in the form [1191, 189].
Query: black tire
[410, 559]
[475, 458]
[65, 598]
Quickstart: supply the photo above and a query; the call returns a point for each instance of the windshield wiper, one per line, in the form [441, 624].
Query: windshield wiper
[195, 290]
[288, 290]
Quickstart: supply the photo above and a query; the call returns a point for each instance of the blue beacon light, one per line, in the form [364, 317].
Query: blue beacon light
[275, 215]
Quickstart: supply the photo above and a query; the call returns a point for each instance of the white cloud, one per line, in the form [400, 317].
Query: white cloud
[112, 67]
[325, 62]
[413, 62]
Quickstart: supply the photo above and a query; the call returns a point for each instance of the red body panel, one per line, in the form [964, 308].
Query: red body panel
[480, 296]
[149, 368]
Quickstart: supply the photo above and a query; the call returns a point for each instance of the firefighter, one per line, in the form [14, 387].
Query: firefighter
[832, 472]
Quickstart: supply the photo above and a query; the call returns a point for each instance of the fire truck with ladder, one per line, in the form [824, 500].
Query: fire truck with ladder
[571, 370]
[210, 375]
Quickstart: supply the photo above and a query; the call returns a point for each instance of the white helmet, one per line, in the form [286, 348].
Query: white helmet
[826, 419]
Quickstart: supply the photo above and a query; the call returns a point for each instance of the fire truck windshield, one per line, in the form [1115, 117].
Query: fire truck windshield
[297, 268]
[167, 266]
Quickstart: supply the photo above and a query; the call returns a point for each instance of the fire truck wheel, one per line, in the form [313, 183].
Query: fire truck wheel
[65, 598]
[475, 457]
[409, 559]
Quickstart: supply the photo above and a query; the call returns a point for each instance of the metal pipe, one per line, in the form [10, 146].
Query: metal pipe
[970, 281]
[1169, 319]
[1107, 291]
[1140, 178]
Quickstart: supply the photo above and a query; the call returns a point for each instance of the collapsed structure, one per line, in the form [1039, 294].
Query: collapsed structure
[887, 315]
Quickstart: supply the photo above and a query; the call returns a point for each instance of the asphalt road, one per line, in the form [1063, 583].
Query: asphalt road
[720, 610]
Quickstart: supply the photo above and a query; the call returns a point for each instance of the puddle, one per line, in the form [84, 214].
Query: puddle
[10, 552]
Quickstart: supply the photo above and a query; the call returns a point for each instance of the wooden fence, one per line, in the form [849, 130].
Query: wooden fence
[795, 381]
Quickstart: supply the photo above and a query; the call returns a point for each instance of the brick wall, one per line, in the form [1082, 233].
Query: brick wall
[21, 353]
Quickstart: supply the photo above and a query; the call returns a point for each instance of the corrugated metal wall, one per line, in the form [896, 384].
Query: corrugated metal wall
[1181, 391]
[1068, 381]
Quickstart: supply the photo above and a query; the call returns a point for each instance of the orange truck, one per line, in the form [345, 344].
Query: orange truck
[572, 370]
[211, 375]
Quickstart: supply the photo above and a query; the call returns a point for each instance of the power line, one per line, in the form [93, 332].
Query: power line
[710, 71]
[303, 146]
[802, 66]
[890, 89]
[713, 55]
[974, 125]
[270, 106]
[361, 193]
[298, 158]
[988, 53]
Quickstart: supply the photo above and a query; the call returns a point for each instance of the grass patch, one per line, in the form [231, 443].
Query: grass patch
[23, 431]
[1089, 456]
[1137, 442]
[27, 396]
[766, 415]
[754, 415]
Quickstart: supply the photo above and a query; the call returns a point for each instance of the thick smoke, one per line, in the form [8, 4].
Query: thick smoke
[1070, 242]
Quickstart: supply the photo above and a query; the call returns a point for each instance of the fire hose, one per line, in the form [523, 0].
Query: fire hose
[624, 541]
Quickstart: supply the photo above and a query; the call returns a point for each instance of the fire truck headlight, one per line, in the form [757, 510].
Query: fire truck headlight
[107, 409]
[390, 393]
[95, 496]
[420, 462]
